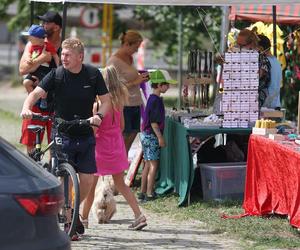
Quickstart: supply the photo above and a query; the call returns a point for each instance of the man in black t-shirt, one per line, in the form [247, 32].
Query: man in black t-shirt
[74, 95]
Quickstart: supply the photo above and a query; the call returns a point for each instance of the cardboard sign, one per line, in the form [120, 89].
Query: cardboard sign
[134, 166]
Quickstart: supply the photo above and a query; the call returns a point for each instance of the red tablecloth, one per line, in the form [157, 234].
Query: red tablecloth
[272, 180]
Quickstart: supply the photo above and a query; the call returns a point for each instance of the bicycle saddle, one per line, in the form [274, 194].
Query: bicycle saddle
[35, 128]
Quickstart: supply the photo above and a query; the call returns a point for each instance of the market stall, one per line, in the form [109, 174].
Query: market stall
[285, 13]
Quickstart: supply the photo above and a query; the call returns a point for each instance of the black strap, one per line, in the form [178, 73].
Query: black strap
[90, 71]
[59, 74]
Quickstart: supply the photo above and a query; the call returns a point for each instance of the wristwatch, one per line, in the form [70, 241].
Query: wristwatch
[101, 116]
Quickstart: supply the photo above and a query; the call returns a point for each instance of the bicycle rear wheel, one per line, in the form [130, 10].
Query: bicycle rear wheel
[69, 213]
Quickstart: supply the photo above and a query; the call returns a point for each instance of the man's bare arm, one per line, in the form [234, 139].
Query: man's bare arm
[31, 99]
[27, 65]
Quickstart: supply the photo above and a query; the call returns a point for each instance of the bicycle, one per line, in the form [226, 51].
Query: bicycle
[60, 167]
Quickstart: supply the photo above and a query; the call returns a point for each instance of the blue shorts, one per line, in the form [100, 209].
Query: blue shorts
[132, 118]
[150, 145]
[81, 153]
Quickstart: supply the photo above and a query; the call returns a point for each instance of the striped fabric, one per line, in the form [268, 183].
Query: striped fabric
[286, 13]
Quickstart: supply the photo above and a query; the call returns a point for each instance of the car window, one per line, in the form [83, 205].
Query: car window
[7, 166]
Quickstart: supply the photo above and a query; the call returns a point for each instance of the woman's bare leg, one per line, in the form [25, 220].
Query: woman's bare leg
[127, 193]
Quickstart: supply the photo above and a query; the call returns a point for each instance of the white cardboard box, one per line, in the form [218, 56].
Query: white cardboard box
[264, 131]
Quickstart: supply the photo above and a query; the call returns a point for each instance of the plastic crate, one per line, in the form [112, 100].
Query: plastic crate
[222, 181]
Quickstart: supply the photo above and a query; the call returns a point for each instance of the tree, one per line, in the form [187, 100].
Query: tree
[22, 19]
[163, 23]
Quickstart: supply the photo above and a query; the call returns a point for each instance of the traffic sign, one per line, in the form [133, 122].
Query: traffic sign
[89, 17]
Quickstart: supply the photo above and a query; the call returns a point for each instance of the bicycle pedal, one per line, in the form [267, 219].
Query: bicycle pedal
[62, 218]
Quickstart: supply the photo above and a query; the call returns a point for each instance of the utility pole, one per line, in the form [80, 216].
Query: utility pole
[224, 29]
[179, 75]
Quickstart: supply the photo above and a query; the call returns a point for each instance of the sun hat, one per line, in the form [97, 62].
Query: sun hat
[51, 17]
[161, 76]
[36, 31]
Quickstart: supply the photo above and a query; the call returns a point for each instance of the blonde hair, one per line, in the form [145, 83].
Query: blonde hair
[130, 36]
[73, 44]
[117, 90]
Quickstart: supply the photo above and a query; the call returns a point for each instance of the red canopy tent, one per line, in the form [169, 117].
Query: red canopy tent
[285, 13]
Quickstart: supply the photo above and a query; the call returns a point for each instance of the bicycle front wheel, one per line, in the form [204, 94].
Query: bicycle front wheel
[69, 213]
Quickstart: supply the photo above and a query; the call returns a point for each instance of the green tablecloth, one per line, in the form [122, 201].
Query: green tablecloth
[176, 170]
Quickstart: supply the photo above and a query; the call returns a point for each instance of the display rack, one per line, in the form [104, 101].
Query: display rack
[240, 96]
[199, 78]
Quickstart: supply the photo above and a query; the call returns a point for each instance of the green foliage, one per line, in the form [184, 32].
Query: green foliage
[22, 19]
[3, 6]
[170, 102]
[163, 23]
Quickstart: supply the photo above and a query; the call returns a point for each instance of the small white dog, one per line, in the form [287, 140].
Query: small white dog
[111, 183]
[104, 206]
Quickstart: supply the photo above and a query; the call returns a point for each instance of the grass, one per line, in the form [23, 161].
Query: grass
[253, 232]
[10, 128]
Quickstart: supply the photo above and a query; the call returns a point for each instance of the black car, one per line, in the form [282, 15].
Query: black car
[30, 198]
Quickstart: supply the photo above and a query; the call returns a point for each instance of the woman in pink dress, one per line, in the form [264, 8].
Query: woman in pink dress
[111, 156]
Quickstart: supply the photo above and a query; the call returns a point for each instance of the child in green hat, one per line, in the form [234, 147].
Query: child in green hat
[152, 131]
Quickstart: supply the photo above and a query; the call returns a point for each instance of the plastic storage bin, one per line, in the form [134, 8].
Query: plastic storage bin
[222, 181]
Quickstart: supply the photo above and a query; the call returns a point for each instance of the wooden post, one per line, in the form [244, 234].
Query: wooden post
[179, 73]
[274, 31]
[298, 121]
[31, 13]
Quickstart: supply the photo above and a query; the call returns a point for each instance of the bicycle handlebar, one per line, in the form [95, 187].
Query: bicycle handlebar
[80, 122]
[60, 121]
[39, 117]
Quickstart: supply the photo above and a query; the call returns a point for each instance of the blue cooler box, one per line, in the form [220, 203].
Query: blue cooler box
[222, 181]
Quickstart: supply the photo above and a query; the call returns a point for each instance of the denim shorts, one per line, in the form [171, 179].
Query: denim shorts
[150, 145]
[132, 118]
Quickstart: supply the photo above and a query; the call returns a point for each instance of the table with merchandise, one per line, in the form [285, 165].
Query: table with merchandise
[176, 170]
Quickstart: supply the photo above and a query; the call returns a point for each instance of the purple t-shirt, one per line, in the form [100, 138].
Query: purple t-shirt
[155, 112]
